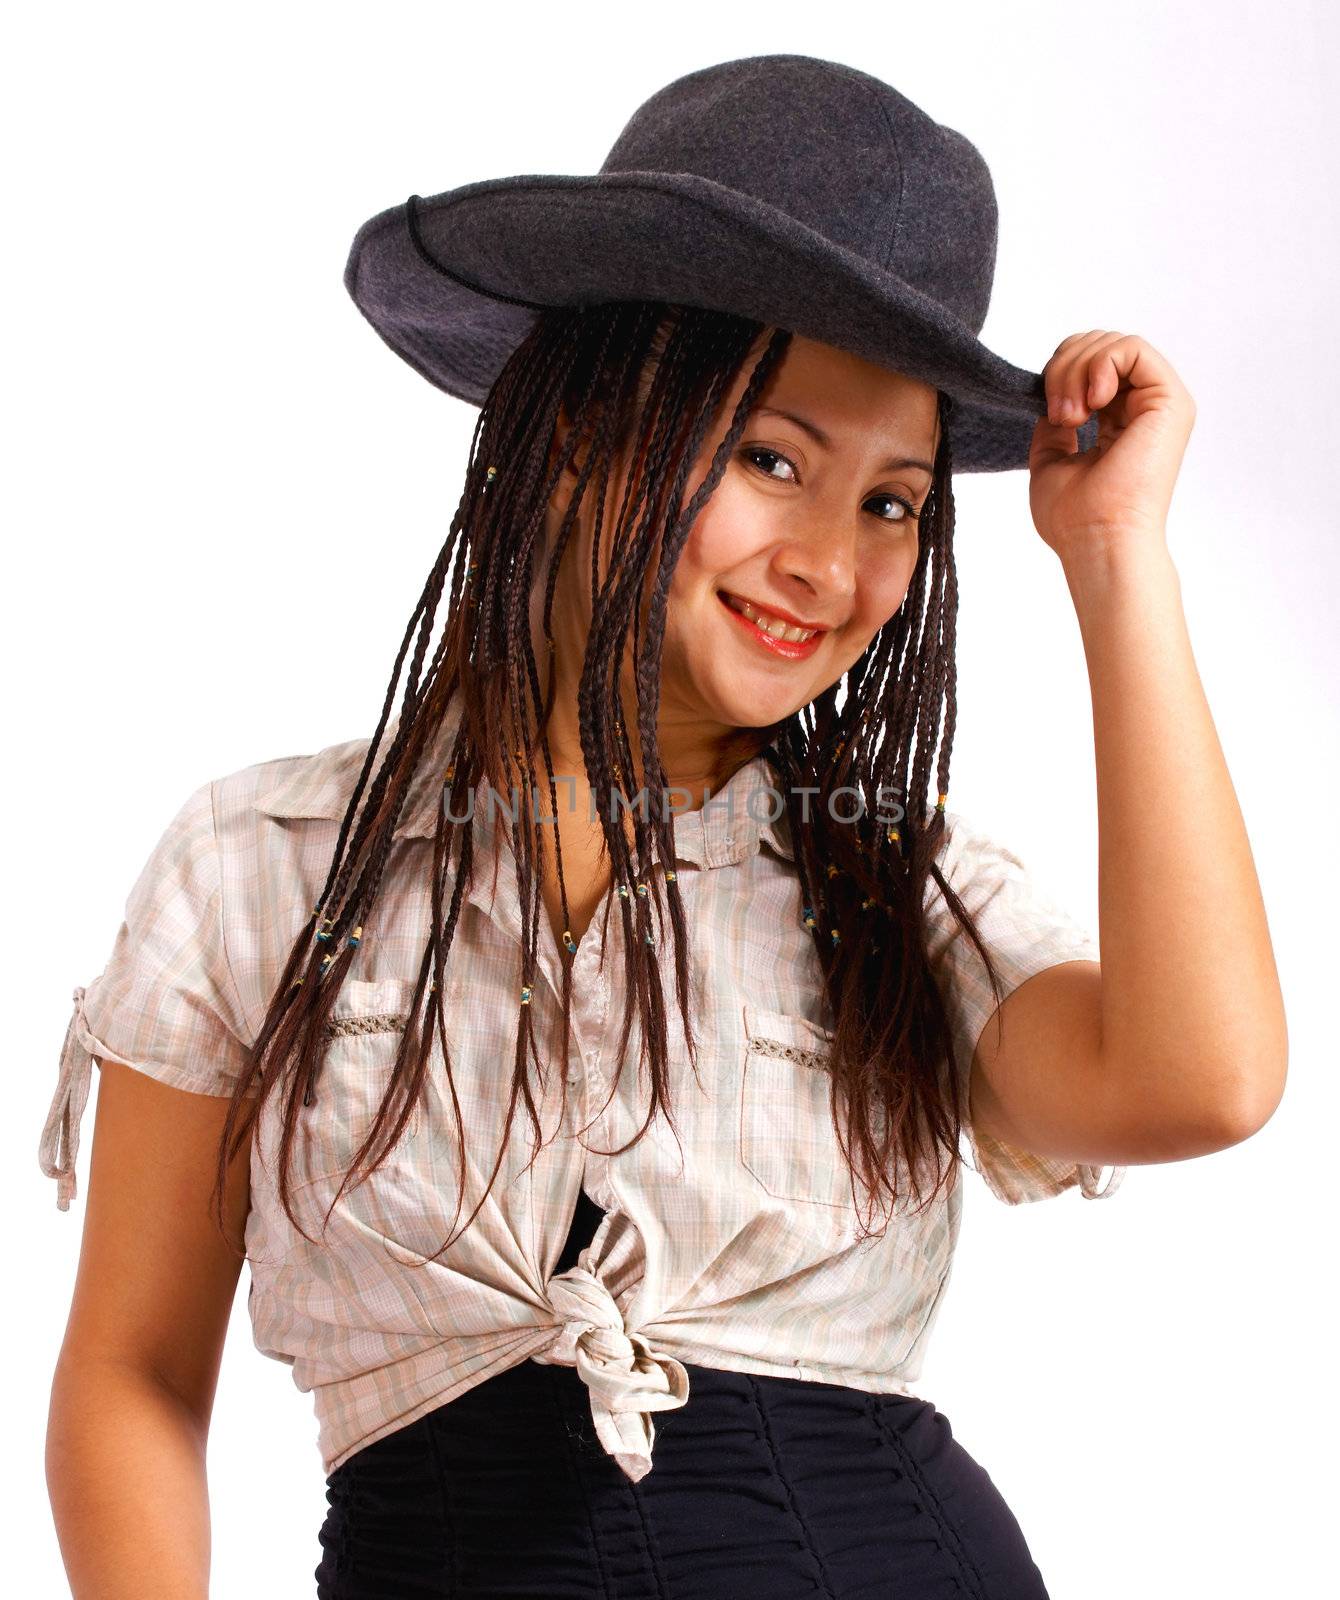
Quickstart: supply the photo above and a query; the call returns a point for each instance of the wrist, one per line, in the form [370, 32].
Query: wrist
[1103, 568]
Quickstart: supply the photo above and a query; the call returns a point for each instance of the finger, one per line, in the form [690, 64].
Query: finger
[1065, 378]
[1073, 339]
[1050, 442]
[1106, 364]
[1131, 365]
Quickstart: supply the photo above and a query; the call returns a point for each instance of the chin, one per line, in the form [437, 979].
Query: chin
[738, 708]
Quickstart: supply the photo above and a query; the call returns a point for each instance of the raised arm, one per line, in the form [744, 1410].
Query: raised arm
[1177, 1043]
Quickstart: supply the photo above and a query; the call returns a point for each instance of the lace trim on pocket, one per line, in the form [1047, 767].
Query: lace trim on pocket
[788, 1052]
[379, 1022]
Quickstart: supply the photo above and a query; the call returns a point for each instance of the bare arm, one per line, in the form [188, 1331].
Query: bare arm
[135, 1379]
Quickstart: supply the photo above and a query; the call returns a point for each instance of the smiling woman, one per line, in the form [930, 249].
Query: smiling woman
[661, 1339]
[826, 547]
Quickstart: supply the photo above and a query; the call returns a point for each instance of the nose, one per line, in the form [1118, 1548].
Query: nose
[627, 1378]
[819, 568]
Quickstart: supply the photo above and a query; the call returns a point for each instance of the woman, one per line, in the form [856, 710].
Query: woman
[660, 797]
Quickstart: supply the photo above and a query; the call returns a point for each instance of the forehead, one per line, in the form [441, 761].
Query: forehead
[840, 390]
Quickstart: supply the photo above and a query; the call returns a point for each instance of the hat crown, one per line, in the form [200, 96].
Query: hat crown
[842, 153]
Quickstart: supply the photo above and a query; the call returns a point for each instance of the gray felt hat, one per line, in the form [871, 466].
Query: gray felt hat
[800, 192]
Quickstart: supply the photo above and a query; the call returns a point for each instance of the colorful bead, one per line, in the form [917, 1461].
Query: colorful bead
[836, 935]
[567, 940]
[807, 917]
[671, 876]
[326, 961]
[832, 870]
[323, 932]
[940, 803]
[867, 902]
[356, 937]
[893, 835]
[623, 891]
[650, 940]
[489, 476]
[525, 994]
[642, 888]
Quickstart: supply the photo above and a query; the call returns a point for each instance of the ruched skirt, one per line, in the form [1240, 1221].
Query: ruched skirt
[762, 1488]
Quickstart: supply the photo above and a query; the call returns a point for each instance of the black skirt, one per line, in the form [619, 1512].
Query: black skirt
[762, 1488]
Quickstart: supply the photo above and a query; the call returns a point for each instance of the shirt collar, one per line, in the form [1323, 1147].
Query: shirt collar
[725, 830]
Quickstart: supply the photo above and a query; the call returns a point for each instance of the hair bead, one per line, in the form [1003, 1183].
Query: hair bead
[807, 917]
[940, 803]
[356, 937]
[568, 941]
[623, 891]
[671, 876]
[525, 994]
[832, 870]
[836, 935]
[489, 476]
[642, 888]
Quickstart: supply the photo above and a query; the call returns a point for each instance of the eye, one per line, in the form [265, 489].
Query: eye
[909, 512]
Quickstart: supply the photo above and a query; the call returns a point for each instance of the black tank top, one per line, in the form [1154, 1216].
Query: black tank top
[585, 1220]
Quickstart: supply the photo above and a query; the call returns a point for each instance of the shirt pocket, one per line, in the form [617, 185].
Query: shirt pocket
[787, 1140]
[362, 1038]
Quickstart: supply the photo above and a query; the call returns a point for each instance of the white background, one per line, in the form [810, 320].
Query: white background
[224, 492]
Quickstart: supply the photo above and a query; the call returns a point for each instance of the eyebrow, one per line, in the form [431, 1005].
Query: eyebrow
[893, 464]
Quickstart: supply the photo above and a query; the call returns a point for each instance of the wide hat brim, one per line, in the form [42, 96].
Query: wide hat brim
[505, 247]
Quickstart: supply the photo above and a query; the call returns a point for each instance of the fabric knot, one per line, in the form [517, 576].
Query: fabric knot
[627, 1378]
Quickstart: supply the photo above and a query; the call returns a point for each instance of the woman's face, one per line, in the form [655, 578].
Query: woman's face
[816, 532]
[809, 532]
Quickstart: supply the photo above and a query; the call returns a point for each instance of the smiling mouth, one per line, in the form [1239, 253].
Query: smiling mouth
[775, 627]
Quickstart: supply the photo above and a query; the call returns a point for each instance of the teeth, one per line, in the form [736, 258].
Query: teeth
[770, 624]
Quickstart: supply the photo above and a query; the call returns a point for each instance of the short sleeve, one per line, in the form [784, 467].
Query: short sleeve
[1026, 931]
[165, 1003]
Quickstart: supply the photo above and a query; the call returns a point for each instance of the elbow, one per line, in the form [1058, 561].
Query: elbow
[1254, 1100]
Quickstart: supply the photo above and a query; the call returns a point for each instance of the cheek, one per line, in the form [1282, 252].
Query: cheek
[727, 532]
[881, 587]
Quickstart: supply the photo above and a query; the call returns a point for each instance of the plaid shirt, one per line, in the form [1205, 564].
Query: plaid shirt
[728, 1241]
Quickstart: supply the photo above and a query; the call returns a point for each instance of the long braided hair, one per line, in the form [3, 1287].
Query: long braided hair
[644, 382]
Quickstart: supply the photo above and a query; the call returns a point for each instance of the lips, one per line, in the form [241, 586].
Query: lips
[769, 614]
[758, 625]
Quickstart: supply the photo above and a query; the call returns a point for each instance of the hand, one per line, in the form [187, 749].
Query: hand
[1120, 488]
